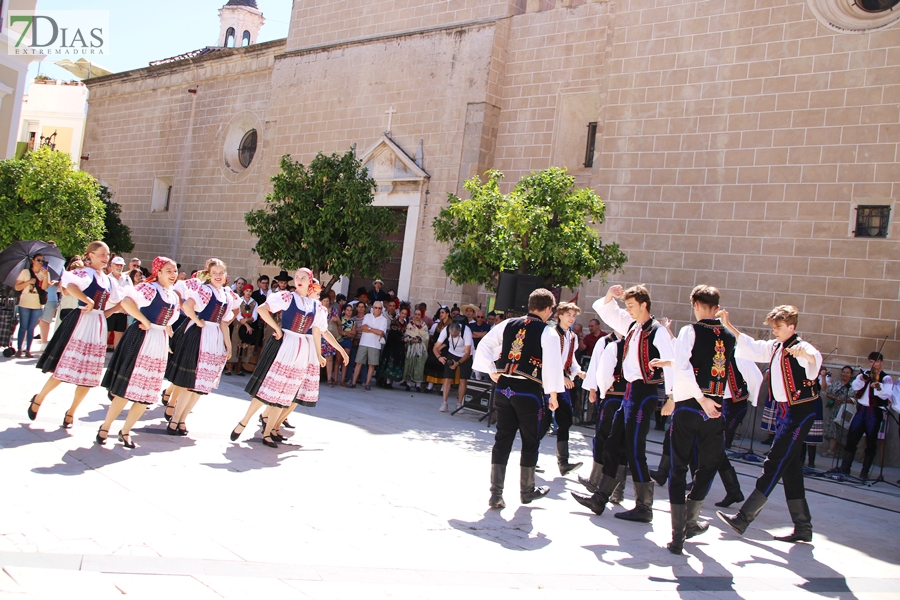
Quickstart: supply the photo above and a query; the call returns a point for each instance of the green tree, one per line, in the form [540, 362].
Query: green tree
[542, 227]
[118, 234]
[321, 216]
[44, 197]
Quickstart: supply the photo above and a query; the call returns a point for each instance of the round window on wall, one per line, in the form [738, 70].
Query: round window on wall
[247, 148]
[876, 6]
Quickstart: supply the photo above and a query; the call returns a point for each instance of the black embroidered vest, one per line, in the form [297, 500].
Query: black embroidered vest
[799, 389]
[521, 353]
[619, 383]
[713, 361]
[646, 350]
[874, 401]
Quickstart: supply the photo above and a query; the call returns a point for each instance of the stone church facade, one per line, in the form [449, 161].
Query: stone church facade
[735, 140]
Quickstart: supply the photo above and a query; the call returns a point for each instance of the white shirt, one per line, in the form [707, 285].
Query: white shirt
[488, 351]
[625, 326]
[685, 385]
[574, 368]
[763, 352]
[459, 345]
[884, 393]
[371, 340]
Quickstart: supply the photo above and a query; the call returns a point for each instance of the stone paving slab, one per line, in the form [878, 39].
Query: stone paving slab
[376, 495]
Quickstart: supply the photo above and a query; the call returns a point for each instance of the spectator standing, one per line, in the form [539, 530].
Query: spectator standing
[434, 369]
[479, 327]
[454, 351]
[393, 357]
[374, 327]
[423, 308]
[243, 334]
[32, 284]
[376, 294]
[48, 315]
[590, 339]
[346, 340]
[68, 302]
[837, 394]
[416, 339]
[117, 322]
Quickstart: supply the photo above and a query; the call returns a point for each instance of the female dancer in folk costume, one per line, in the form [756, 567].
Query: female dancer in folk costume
[200, 356]
[288, 367]
[309, 390]
[136, 370]
[77, 351]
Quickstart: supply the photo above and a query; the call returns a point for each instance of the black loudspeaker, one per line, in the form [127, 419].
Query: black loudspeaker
[506, 292]
[525, 284]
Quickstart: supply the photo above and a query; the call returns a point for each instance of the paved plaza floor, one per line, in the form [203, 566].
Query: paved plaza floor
[377, 495]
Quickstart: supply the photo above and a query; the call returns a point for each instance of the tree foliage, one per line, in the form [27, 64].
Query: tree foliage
[44, 197]
[542, 227]
[118, 234]
[321, 216]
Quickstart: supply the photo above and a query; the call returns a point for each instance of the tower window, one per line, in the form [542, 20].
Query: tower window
[877, 5]
[872, 221]
[247, 148]
[591, 145]
[229, 37]
[246, 39]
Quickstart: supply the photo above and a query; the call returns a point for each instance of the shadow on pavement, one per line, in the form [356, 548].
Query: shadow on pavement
[515, 534]
[24, 435]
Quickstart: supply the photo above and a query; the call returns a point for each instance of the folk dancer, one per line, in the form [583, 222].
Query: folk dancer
[77, 350]
[793, 368]
[604, 378]
[136, 370]
[200, 355]
[288, 367]
[565, 316]
[707, 378]
[873, 395]
[645, 340]
[521, 355]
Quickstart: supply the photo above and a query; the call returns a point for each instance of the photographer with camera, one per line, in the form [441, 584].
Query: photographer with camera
[454, 350]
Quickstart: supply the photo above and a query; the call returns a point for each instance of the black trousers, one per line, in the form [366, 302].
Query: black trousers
[563, 415]
[627, 441]
[608, 408]
[732, 416]
[785, 459]
[867, 420]
[520, 408]
[694, 436]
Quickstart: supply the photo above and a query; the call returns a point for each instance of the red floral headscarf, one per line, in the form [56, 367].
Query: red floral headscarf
[158, 263]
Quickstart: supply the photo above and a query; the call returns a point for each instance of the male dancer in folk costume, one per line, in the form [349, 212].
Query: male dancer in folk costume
[872, 392]
[605, 367]
[645, 341]
[522, 357]
[706, 378]
[793, 368]
[565, 316]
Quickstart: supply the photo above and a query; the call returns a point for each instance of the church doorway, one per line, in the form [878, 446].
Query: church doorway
[390, 270]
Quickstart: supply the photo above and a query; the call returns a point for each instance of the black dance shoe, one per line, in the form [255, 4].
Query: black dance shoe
[68, 421]
[235, 434]
[32, 414]
[125, 438]
[268, 441]
[101, 439]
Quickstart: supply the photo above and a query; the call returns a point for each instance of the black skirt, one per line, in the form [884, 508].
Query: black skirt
[181, 368]
[118, 372]
[266, 358]
[54, 350]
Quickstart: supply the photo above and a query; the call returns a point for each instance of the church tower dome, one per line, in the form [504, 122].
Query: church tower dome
[240, 21]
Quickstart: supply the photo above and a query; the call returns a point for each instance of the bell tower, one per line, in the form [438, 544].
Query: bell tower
[240, 21]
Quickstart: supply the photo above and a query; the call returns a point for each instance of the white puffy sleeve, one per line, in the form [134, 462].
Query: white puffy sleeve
[196, 291]
[590, 380]
[142, 294]
[279, 301]
[81, 278]
[488, 350]
[321, 318]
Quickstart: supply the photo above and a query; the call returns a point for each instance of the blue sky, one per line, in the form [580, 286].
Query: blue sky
[145, 30]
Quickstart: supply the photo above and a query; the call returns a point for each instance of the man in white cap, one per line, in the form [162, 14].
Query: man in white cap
[118, 322]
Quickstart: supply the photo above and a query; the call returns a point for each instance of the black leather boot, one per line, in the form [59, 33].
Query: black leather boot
[619, 493]
[799, 510]
[597, 501]
[661, 474]
[867, 465]
[732, 488]
[498, 476]
[562, 458]
[527, 491]
[643, 501]
[692, 525]
[592, 482]
[748, 512]
[678, 515]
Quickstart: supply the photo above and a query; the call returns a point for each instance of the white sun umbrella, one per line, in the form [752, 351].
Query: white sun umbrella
[83, 68]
